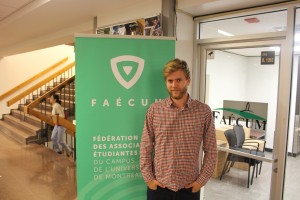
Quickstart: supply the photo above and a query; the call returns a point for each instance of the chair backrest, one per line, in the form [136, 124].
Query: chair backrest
[240, 135]
[230, 137]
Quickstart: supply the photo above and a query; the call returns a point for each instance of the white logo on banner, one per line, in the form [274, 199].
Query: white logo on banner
[127, 69]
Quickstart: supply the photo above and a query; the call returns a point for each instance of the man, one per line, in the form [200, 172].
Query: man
[173, 131]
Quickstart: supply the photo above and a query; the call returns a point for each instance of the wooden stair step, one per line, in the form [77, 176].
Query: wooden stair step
[22, 125]
[72, 97]
[70, 118]
[66, 96]
[36, 109]
[48, 113]
[21, 136]
[71, 92]
[48, 103]
[49, 107]
[28, 118]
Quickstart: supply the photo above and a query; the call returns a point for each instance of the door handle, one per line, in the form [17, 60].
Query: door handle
[275, 167]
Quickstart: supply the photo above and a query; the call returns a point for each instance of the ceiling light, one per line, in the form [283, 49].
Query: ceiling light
[224, 33]
[279, 28]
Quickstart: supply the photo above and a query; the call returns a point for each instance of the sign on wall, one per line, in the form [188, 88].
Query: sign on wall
[267, 58]
[117, 78]
[253, 115]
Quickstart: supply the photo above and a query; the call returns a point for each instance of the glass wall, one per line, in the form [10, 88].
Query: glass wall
[241, 90]
[292, 175]
[247, 84]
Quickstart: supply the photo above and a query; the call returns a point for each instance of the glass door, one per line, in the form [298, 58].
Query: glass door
[241, 74]
[292, 175]
[241, 89]
[242, 83]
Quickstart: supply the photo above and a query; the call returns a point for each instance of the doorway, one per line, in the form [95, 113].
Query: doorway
[239, 75]
[241, 87]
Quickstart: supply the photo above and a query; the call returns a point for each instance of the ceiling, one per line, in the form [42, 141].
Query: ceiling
[7, 7]
[27, 25]
[205, 7]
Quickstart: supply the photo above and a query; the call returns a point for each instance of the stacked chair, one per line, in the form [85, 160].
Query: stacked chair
[236, 140]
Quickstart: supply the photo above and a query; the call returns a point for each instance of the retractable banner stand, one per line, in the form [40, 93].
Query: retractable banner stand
[117, 79]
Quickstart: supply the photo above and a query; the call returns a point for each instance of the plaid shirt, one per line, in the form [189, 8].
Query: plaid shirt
[171, 143]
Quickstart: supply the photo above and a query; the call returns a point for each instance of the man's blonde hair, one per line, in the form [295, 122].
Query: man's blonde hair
[175, 65]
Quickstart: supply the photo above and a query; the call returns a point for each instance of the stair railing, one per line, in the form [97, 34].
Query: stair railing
[52, 120]
[65, 88]
[34, 102]
[50, 81]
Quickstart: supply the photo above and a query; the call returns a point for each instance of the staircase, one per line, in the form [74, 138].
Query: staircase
[26, 128]
[31, 121]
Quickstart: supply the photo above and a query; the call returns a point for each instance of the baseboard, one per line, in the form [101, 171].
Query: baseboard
[268, 150]
[289, 154]
[294, 154]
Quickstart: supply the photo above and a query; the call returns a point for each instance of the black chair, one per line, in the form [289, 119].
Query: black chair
[232, 158]
[249, 144]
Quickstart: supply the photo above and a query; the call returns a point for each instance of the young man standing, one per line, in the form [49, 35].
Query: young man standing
[173, 131]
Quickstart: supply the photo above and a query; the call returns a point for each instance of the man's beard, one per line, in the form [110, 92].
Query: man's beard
[179, 95]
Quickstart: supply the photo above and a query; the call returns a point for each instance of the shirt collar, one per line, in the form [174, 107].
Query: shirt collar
[188, 103]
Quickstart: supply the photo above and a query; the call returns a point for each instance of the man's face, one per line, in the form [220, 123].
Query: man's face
[177, 84]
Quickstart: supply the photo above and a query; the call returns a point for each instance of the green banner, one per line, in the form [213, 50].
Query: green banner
[117, 79]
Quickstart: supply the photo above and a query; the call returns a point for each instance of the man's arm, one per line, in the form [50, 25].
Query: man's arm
[146, 152]
[147, 147]
[210, 150]
[210, 153]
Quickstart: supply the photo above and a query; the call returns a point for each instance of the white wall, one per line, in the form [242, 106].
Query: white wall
[266, 80]
[184, 40]
[262, 86]
[227, 78]
[19, 68]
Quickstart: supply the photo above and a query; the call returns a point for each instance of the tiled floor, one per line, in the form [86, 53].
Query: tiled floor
[233, 186]
[33, 172]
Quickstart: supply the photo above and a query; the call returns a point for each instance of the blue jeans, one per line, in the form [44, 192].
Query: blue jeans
[166, 194]
[57, 139]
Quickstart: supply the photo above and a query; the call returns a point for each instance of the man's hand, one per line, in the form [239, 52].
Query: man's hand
[153, 184]
[195, 186]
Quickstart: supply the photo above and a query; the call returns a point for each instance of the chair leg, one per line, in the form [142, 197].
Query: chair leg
[256, 168]
[253, 173]
[228, 167]
[232, 163]
[248, 175]
[224, 169]
[260, 167]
